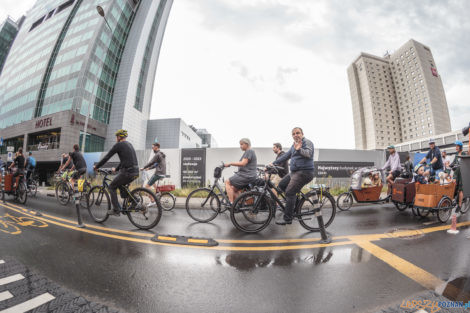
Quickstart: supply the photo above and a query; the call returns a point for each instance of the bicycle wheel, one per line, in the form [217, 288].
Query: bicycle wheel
[307, 208]
[63, 193]
[444, 209]
[400, 206]
[9, 228]
[84, 195]
[422, 212]
[33, 188]
[167, 200]
[143, 208]
[22, 193]
[251, 212]
[202, 205]
[465, 205]
[344, 201]
[98, 204]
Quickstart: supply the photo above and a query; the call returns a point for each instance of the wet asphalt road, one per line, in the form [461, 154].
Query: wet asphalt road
[133, 275]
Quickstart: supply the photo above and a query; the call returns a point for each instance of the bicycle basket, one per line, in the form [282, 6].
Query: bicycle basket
[217, 172]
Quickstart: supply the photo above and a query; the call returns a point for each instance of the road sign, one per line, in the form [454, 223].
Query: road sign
[10, 156]
[11, 149]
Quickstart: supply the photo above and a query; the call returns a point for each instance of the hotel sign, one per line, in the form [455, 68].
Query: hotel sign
[45, 122]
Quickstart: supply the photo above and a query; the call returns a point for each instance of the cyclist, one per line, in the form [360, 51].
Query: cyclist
[409, 166]
[435, 156]
[63, 160]
[79, 164]
[301, 171]
[18, 162]
[394, 164]
[158, 162]
[128, 168]
[30, 165]
[246, 171]
[455, 166]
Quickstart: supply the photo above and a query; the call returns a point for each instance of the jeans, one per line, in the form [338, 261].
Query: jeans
[292, 184]
[435, 173]
[123, 178]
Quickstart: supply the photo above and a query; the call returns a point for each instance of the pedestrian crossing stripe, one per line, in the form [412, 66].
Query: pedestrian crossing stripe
[10, 279]
[30, 304]
[5, 295]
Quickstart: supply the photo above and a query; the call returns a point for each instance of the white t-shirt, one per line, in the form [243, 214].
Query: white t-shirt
[445, 161]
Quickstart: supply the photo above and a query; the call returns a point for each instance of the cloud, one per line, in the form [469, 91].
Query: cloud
[291, 96]
[282, 72]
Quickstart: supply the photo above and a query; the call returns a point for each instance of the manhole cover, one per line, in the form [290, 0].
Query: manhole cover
[404, 233]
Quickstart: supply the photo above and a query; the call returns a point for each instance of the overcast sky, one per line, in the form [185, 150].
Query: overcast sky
[256, 68]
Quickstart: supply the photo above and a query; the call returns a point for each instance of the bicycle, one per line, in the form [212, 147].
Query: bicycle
[258, 207]
[19, 191]
[204, 204]
[139, 204]
[32, 184]
[167, 199]
[64, 190]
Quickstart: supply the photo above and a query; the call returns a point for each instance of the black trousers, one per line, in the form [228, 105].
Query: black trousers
[291, 185]
[123, 178]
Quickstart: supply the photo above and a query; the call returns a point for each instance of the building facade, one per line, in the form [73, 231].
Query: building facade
[172, 133]
[398, 97]
[8, 31]
[69, 67]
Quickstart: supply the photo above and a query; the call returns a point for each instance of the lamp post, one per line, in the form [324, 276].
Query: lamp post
[100, 11]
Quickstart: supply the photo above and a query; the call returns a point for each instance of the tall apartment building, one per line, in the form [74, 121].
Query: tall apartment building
[396, 98]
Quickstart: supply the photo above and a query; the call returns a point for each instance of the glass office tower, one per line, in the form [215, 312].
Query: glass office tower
[68, 62]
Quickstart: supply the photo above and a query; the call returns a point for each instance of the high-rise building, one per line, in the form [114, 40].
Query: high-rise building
[8, 31]
[69, 67]
[398, 97]
[172, 133]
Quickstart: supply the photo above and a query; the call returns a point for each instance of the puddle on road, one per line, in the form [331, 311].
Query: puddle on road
[405, 233]
[320, 256]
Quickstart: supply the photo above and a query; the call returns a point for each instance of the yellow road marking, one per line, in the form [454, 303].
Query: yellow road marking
[408, 269]
[197, 240]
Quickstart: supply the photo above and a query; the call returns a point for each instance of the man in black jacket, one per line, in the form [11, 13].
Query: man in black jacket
[128, 168]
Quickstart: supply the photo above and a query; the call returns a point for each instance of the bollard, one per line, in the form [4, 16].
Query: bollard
[76, 197]
[3, 185]
[325, 238]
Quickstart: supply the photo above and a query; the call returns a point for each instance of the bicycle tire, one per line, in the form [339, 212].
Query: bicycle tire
[422, 212]
[465, 205]
[136, 212]
[326, 197]
[444, 209]
[62, 193]
[98, 209]
[167, 200]
[248, 204]
[205, 205]
[344, 201]
[22, 193]
[400, 206]
[33, 188]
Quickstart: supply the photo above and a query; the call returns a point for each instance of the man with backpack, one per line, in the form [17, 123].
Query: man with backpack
[30, 165]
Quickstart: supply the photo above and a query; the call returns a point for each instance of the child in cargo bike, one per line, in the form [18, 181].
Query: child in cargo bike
[420, 176]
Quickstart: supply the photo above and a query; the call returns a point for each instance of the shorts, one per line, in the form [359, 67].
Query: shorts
[154, 179]
[240, 182]
[77, 173]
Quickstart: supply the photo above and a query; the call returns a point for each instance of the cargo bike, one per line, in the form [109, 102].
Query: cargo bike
[403, 193]
[19, 190]
[360, 193]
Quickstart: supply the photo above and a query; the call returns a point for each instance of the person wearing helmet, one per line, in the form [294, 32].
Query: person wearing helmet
[435, 156]
[420, 175]
[128, 168]
[455, 166]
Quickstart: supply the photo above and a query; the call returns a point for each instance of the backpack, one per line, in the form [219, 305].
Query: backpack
[32, 162]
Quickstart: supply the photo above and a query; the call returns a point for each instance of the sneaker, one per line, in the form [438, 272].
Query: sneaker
[282, 221]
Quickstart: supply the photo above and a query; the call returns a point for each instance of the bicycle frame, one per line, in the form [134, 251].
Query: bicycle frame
[105, 185]
[217, 186]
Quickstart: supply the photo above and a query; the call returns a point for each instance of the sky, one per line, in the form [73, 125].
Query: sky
[257, 68]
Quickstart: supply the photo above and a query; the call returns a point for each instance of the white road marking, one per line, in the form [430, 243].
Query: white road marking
[30, 304]
[10, 279]
[5, 295]
[2, 262]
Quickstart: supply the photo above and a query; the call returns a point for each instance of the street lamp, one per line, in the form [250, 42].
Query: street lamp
[100, 11]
